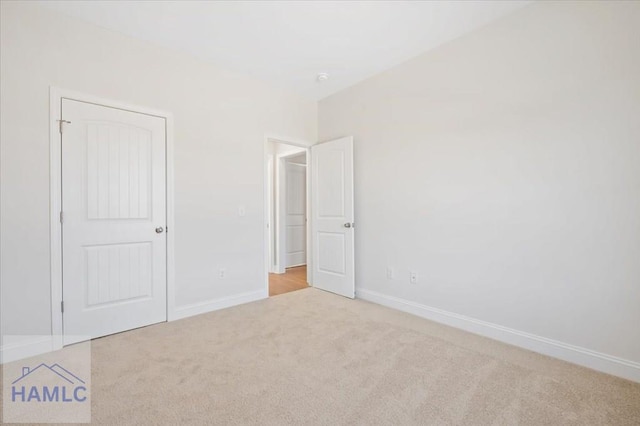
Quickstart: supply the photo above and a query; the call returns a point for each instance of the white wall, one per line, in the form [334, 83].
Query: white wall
[220, 123]
[504, 168]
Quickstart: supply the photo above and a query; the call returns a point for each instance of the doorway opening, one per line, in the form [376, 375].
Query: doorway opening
[287, 222]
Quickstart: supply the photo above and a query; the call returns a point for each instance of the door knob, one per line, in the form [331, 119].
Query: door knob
[347, 225]
[159, 230]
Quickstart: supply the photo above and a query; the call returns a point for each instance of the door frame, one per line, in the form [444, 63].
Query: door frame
[265, 192]
[56, 95]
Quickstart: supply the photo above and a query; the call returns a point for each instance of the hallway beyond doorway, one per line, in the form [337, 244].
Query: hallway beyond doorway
[293, 279]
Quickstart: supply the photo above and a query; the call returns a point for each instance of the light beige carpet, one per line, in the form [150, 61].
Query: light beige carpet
[309, 357]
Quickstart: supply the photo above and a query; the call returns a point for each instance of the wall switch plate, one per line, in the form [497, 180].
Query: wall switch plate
[242, 211]
[389, 273]
[413, 277]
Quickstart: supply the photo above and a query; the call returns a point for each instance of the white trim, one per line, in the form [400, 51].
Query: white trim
[55, 201]
[55, 99]
[308, 219]
[267, 215]
[214, 305]
[269, 211]
[279, 205]
[31, 346]
[171, 223]
[585, 357]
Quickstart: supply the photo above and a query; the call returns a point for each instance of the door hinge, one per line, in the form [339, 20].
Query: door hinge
[62, 306]
[61, 217]
[60, 124]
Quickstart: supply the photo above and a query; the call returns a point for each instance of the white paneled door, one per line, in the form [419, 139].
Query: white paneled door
[296, 207]
[114, 220]
[333, 216]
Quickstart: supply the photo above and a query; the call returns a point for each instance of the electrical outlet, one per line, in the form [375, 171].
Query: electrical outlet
[389, 273]
[413, 277]
[222, 272]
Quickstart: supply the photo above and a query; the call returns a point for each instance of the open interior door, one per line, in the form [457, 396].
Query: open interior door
[332, 216]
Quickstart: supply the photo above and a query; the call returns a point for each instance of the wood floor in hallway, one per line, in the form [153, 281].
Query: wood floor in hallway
[293, 279]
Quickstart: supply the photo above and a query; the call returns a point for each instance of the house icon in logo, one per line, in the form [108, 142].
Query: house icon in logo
[55, 369]
[48, 383]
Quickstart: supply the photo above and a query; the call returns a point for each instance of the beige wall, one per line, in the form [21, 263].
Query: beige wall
[220, 122]
[501, 167]
[504, 168]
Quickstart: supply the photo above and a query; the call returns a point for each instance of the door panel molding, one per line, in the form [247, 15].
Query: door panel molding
[332, 216]
[56, 95]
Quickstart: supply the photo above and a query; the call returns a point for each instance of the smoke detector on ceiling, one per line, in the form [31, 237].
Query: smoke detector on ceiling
[323, 76]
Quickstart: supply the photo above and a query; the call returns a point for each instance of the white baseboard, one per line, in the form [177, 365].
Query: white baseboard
[20, 347]
[213, 305]
[577, 355]
[25, 347]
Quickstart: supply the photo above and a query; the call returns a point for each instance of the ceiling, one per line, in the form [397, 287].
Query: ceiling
[287, 43]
